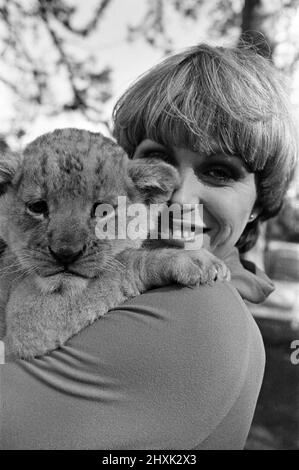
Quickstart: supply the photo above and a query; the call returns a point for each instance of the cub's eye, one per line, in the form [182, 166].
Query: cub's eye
[155, 154]
[37, 208]
[102, 210]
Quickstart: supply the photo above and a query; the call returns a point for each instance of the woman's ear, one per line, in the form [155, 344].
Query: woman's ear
[154, 179]
[254, 213]
[9, 163]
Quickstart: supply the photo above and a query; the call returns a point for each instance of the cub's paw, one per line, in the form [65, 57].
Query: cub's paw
[190, 268]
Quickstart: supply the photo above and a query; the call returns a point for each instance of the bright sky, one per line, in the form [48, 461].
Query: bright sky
[127, 60]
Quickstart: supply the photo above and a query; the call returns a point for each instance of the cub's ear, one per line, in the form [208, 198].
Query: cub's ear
[9, 163]
[154, 179]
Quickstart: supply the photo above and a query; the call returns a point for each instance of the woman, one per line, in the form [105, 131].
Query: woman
[175, 368]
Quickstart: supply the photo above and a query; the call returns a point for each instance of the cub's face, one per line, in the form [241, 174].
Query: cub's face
[50, 196]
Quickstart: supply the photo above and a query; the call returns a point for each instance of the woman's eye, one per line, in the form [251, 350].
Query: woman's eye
[37, 208]
[221, 174]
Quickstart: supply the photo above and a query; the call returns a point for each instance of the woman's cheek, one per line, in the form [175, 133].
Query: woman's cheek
[221, 236]
[227, 218]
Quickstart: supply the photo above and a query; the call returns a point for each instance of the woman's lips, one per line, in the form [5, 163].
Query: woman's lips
[181, 229]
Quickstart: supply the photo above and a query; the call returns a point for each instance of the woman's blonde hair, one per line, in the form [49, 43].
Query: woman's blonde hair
[206, 94]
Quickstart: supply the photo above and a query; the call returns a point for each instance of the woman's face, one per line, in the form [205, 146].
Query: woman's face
[221, 183]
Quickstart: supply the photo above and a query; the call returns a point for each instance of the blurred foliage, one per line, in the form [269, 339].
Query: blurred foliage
[41, 52]
[264, 23]
[285, 226]
[50, 65]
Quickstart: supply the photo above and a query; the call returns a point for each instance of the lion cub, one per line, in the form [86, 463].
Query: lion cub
[57, 276]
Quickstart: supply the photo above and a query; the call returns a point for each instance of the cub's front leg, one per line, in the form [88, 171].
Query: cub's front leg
[153, 268]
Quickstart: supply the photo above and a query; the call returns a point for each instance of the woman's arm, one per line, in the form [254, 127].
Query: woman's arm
[166, 370]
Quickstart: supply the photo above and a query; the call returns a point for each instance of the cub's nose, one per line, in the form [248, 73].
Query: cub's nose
[67, 255]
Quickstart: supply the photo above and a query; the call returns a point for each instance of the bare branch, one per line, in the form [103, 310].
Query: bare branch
[152, 26]
[78, 101]
[58, 10]
[12, 87]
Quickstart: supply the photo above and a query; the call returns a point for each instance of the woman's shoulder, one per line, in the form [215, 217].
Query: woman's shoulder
[167, 310]
[160, 371]
[188, 349]
[174, 329]
[171, 315]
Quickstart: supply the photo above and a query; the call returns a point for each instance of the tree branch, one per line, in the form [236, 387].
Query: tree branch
[78, 101]
[253, 28]
[58, 11]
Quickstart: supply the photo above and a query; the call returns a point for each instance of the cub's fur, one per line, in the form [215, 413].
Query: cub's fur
[56, 276]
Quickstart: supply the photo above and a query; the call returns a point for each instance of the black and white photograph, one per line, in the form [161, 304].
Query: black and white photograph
[149, 227]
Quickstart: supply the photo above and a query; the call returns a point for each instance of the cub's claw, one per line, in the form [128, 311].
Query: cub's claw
[223, 272]
[191, 268]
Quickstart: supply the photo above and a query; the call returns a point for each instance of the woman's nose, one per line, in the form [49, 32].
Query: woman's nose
[188, 192]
